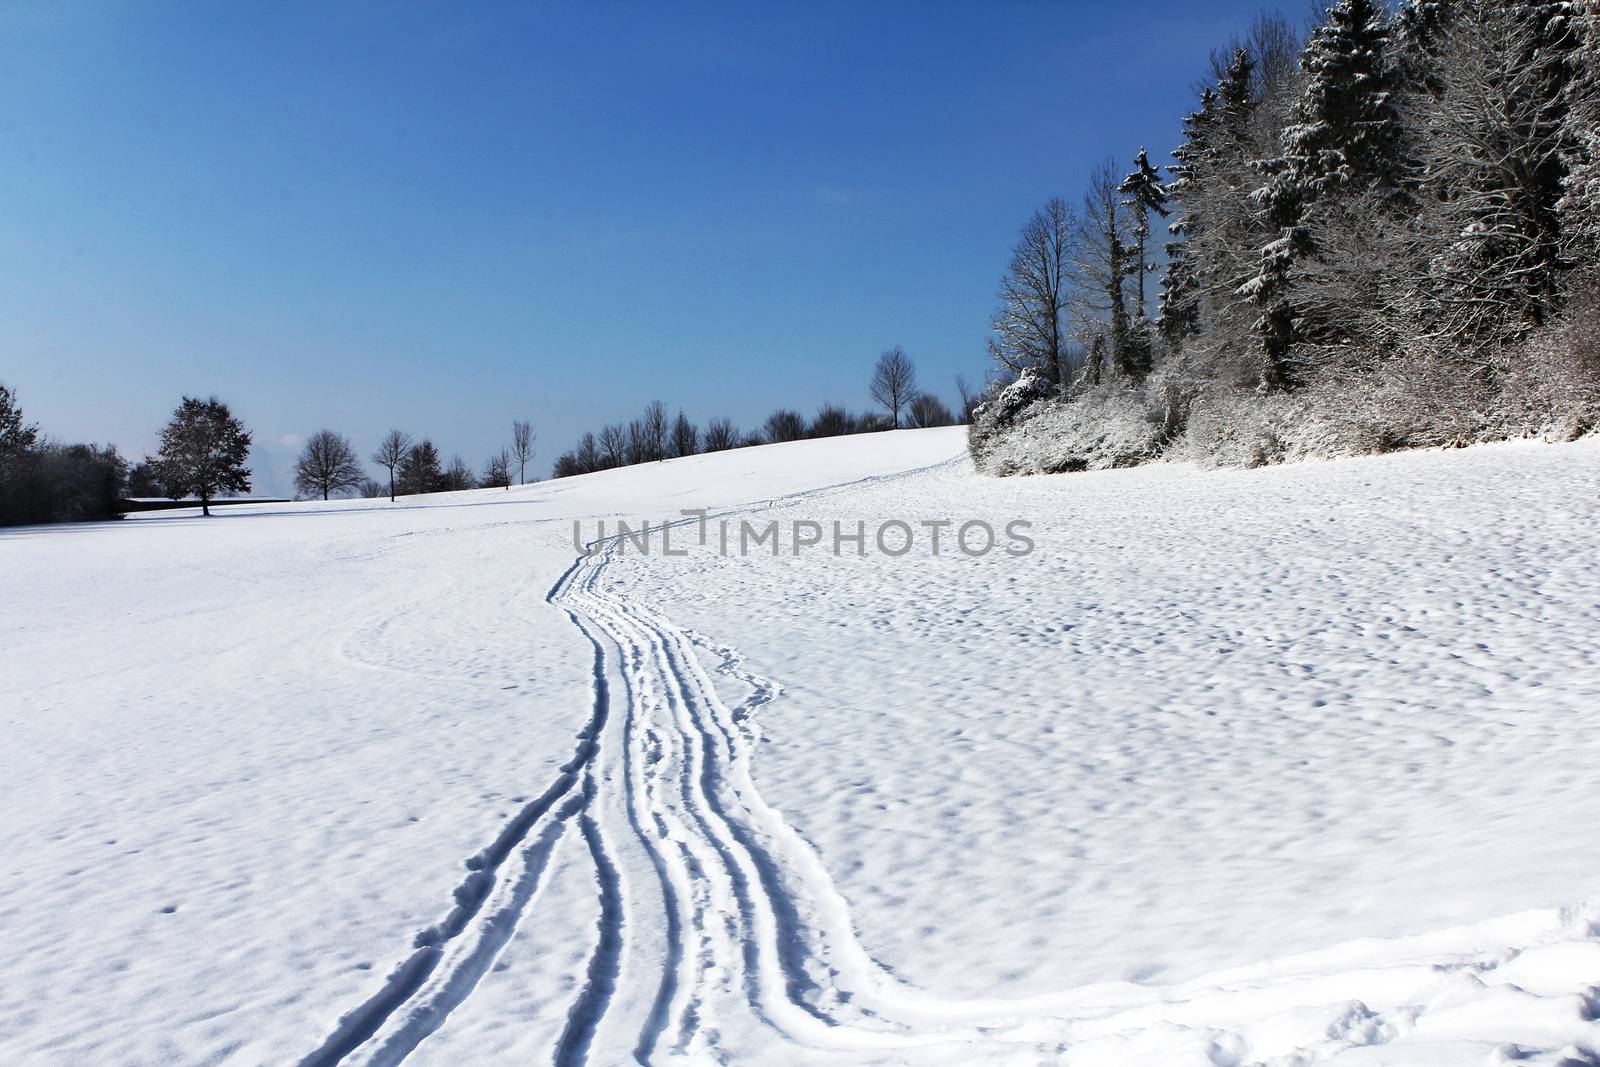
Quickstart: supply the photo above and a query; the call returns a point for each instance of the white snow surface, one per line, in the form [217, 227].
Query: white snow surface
[1282, 767]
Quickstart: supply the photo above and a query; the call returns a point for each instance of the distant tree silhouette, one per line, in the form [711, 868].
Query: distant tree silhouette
[720, 435]
[391, 453]
[894, 381]
[327, 465]
[420, 471]
[203, 451]
[497, 471]
[784, 425]
[522, 438]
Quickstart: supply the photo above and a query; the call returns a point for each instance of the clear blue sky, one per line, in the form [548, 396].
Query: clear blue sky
[444, 216]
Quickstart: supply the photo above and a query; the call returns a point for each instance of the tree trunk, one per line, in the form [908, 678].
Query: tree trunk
[205, 505]
[391, 485]
[1141, 273]
[324, 492]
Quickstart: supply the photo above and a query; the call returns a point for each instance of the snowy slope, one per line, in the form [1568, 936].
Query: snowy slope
[1292, 766]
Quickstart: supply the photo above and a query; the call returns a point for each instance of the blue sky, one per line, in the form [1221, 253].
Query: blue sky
[446, 216]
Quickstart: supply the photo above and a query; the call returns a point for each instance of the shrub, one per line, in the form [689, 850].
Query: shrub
[1554, 387]
[1102, 427]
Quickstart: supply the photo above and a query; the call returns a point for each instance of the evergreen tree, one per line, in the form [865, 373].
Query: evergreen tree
[1144, 193]
[685, 437]
[1103, 263]
[1415, 38]
[1346, 131]
[203, 451]
[420, 471]
[17, 442]
[1179, 309]
[1344, 139]
[1236, 103]
[1219, 230]
[1094, 367]
[17, 438]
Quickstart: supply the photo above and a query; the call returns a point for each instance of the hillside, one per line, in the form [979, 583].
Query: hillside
[1285, 766]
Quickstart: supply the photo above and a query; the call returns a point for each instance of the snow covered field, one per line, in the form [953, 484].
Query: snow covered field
[1290, 766]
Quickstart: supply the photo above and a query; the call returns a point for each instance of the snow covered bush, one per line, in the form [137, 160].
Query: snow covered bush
[1171, 391]
[1548, 386]
[1554, 387]
[1002, 407]
[1106, 426]
[1402, 404]
[1237, 428]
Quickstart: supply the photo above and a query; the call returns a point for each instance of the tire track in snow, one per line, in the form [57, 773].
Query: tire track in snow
[754, 925]
[605, 963]
[358, 1028]
[719, 885]
[785, 941]
[795, 956]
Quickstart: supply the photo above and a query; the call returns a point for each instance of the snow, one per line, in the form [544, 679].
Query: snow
[1289, 766]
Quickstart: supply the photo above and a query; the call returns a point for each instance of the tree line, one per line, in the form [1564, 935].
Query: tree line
[204, 449]
[202, 456]
[657, 435]
[42, 480]
[413, 466]
[1384, 235]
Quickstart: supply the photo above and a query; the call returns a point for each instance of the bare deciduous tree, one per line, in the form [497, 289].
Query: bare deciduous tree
[497, 471]
[1103, 263]
[784, 425]
[638, 443]
[653, 429]
[927, 410]
[1027, 327]
[832, 421]
[894, 379]
[613, 445]
[969, 399]
[720, 436]
[1580, 207]
[587, 456]
[391, 453]
[522, 438]
[1493, 145]
[327, 465]
[458, 476]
